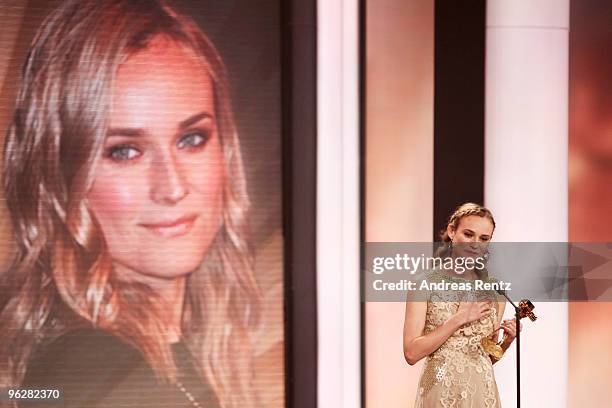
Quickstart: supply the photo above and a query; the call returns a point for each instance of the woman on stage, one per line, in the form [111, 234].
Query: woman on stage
[447, 329]
[133, 282]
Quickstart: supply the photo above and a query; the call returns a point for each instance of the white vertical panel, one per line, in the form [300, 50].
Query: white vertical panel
[339, 362]
[526, 171]
[399, 173]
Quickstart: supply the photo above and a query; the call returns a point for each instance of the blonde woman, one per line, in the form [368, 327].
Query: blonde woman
[447, 329]
[133, 282]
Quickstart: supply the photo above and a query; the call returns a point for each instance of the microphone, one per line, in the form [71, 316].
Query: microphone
[524, 309]
[501, 292]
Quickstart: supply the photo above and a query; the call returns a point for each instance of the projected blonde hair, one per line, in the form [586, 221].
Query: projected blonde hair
[62, 267]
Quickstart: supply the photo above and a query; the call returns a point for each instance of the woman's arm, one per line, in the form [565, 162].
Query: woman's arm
[417, 345]
[501, 307]
[509, 328]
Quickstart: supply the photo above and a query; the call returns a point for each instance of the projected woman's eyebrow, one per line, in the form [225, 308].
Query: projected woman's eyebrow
[139, 132]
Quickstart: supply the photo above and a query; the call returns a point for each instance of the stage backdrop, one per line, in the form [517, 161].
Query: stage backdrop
[590, 192]
[398, 172]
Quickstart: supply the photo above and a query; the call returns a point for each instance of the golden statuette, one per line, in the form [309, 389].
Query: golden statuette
[492, 348]
[495, 350]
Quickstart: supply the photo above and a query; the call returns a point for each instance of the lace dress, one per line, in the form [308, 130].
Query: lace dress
[459, 374]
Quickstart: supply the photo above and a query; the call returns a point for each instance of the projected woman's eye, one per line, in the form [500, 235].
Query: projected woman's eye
[194, 140]
[122, 153]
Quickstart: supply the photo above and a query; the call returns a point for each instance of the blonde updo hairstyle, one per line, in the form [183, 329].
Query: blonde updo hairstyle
[464, 210]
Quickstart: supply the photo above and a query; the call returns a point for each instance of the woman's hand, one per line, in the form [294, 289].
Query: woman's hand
[509, 327]
[472, 311]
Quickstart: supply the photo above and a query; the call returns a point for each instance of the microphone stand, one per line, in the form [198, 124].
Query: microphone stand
[517, 318]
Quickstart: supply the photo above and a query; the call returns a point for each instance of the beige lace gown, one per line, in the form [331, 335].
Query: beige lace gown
[459, 374]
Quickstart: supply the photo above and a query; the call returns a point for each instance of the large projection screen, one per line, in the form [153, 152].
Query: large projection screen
[142, 255]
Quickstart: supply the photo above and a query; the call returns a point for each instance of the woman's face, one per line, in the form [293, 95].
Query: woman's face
[472, 236]
[158, 189]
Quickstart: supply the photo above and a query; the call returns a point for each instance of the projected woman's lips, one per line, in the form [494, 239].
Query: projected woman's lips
[172, 228]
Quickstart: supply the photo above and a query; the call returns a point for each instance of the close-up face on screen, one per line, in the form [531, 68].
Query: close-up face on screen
[141, 219]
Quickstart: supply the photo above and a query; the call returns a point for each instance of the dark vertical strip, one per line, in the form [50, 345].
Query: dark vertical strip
[362, 184]
[299, 199]
[458, 106]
